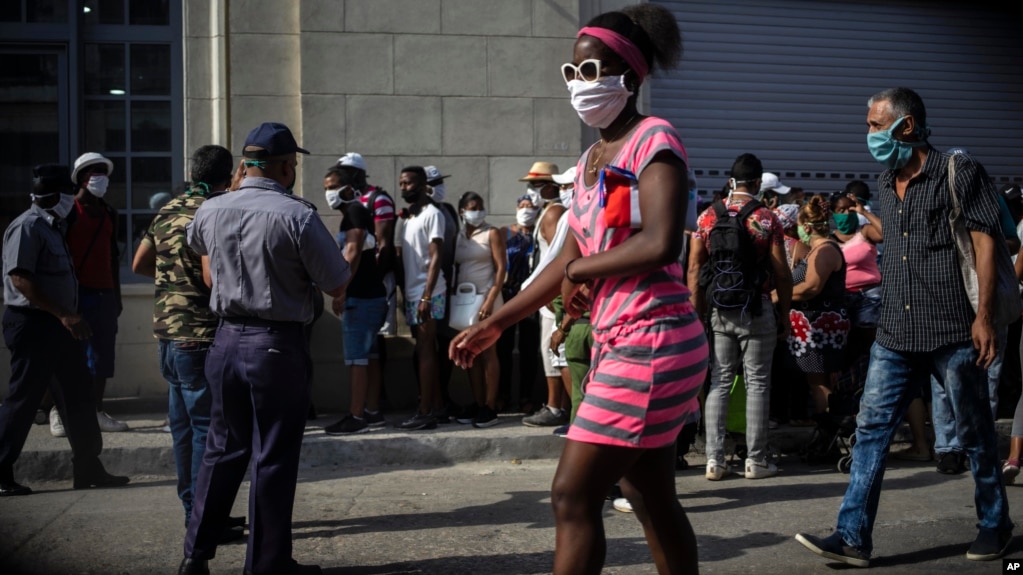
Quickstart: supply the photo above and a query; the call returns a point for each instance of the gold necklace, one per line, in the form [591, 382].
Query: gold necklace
[603, 144]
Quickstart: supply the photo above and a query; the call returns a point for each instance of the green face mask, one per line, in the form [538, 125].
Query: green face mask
[804, 236]
[846, 223]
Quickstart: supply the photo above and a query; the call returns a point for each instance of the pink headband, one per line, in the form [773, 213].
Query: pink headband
[620, 45]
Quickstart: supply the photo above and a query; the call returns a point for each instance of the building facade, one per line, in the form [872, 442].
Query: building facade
[474, 87]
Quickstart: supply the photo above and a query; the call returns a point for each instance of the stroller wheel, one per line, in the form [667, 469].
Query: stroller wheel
[845, 464]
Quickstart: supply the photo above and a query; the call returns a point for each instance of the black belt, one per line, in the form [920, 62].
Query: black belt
[27, 310]
[864, 289]
[260, 322]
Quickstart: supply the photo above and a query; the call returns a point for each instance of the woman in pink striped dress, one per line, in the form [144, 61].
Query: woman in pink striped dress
[649, 353]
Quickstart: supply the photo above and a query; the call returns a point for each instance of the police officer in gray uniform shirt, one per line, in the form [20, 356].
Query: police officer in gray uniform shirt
[269, 256]
[41, 326]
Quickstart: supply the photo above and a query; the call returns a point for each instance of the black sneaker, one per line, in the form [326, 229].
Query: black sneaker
[834, 547]
[990, 544]
[561, 431]
[440, 416]
[951, 463]
[374, 418]
[485, 417]
[418, 421]
[347, 426]
[467, 414]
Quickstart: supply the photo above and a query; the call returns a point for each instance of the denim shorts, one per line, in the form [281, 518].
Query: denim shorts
[864, 306]
[360, 322]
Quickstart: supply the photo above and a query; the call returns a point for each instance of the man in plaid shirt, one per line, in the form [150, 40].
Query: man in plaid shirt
[928, 329]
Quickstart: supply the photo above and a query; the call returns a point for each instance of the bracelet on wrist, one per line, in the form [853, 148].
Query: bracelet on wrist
[568, 275]
[425, 299]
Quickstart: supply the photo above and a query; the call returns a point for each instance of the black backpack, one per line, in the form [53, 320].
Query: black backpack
[731, 277]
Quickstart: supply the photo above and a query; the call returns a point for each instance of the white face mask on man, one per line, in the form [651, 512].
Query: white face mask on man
[439, 192]
[333, 197]
[62, 208]
[97, 185]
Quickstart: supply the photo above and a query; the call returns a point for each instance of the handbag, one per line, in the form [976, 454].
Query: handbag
[465, 306]
[1007, 306]
[735, 418]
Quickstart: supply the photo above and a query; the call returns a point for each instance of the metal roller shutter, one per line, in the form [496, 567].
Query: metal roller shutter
[788, 80]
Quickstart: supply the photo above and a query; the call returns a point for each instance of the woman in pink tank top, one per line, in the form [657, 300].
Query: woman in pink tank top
[862, 276]
[649, 353]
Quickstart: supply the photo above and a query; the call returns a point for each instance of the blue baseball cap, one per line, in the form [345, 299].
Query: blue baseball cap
[274, 138]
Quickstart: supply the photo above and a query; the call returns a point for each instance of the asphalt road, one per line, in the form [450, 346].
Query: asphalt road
[494, 517]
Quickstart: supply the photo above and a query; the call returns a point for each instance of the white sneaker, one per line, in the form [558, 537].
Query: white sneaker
[756, 470]
[56, 426]
[716, 471]
[109, 424]
[622, 504]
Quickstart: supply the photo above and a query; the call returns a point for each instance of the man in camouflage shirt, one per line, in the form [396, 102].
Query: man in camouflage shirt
[182, 320]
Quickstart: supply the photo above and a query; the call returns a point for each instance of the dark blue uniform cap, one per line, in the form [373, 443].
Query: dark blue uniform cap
[52, 175]
[275, 139]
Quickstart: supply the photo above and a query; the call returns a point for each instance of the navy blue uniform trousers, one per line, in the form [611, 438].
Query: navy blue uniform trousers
[41, 349]
[257, 372]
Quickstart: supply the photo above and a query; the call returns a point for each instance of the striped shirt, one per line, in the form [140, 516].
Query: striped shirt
[383, 206]
[924, 303]
[619, 301]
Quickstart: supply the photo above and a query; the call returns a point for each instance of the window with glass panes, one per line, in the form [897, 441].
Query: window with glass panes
[131, 111]
[101, 76]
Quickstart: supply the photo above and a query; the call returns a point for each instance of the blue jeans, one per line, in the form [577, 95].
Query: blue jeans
[886, 395]
[183, 365]
[942, 414]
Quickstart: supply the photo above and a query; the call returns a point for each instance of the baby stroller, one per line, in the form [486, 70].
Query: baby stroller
[834, 435]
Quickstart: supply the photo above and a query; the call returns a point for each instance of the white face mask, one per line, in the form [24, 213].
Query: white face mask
[526, 217]
[599, 103]
[474, 217]
[439, 192]
[533, 193]
[97, 185]
[63, 207]
[333, 198]
[566, 196]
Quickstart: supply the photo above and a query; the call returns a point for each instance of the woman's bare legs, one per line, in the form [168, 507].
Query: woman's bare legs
[585, 474]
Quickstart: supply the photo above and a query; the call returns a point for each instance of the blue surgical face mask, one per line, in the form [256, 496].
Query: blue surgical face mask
[887, 150]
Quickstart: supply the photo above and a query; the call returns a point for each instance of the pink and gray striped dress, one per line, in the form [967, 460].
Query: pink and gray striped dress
[649, 356]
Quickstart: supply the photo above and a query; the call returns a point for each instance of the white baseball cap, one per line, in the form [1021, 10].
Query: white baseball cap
[770, 182]
[564, 178]
[352, 160]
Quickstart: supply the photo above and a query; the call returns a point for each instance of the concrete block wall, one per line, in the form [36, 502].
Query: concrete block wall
[472, 86]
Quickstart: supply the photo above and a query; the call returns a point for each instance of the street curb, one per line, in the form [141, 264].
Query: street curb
[144, 451]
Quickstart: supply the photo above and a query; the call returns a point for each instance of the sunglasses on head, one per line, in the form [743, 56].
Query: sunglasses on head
[587, 71]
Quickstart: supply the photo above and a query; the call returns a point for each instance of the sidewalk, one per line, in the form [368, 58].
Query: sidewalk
[145, 450]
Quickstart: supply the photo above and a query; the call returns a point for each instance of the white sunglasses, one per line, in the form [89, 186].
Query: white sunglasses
[587, 71]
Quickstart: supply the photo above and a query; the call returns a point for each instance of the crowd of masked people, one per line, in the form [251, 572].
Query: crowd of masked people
[439, 261]
[816, 259]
